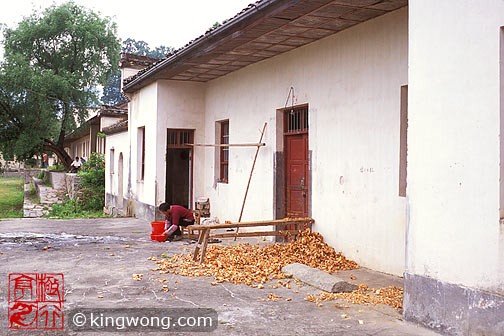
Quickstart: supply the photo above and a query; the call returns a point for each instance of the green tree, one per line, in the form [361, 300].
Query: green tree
[132, 46]
[53, 62]
[112, 91]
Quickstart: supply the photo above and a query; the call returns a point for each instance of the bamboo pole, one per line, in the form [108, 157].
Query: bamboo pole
[250, 177]
[229, 145]
[255, 234]
[276, 222]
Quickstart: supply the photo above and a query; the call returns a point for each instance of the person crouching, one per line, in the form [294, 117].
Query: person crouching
[176, 216]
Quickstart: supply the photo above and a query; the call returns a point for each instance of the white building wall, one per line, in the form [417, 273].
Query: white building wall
[143, 113]
[180, 105]
[351, 82]
[80, 147]
[454, 233]
[126, 73]
[120, 144]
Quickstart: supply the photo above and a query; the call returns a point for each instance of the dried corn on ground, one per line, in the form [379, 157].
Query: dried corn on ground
[390, 296]
[248, 264]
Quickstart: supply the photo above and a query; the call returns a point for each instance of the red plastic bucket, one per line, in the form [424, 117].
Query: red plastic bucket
[158, 228]
[159, 238]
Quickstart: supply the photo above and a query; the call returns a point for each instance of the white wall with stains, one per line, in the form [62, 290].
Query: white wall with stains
[180, 106]
[143, 112]
[351, 82]
[119, 143]
[456, 80]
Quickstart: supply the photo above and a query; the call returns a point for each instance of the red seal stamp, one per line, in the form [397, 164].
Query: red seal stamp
[36, 300]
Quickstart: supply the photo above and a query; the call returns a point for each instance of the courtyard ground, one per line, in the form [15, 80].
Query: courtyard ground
[99, 256]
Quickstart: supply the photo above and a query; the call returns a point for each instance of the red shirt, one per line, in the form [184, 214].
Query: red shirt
[178, 212]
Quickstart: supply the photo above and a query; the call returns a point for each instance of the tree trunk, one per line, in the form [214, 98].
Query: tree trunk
[59, 146]
[63, 156]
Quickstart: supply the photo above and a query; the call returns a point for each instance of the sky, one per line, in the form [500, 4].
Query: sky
[172, 23]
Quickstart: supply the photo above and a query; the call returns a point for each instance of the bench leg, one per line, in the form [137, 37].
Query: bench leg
[205, 243]
[198, 245]
[202, 244]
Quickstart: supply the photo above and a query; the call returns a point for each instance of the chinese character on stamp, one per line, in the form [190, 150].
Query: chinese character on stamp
[36, 300]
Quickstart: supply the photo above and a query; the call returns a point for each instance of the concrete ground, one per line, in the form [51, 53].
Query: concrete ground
[91, 254]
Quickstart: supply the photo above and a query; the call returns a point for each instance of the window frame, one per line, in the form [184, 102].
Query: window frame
[141, 154]
[223, 162]
[112, 158]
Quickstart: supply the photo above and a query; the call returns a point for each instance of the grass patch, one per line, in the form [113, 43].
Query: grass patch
[11, 197]
[72, 209]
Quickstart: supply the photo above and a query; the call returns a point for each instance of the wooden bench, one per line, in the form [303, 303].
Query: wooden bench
[297, 224]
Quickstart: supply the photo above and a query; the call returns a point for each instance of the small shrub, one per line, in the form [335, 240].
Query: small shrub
[41, 175]
[92, 193]
[72, 208]
[90, 198]
[57, 168]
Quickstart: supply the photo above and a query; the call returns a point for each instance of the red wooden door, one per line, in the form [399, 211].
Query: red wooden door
[297, 175]
[296, 162]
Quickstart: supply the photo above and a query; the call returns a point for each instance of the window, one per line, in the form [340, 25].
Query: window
[100, 143]
[112, 161]
[179, 138]
[141, 153]
[224, 152]
[403, 142]
[296, 120]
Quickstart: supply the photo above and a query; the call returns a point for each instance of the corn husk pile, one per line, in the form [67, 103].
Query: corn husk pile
[248, 264]
[390, 296]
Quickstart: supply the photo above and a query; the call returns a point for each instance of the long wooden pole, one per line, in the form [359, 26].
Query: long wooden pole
[250, 177]
[273, 222]
[228, 145]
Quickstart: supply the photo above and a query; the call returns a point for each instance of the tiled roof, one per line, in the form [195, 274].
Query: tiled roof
[260, 31]
[121, 126]
[112, 111]
[133, 60]
[105, 110]
[175, 52]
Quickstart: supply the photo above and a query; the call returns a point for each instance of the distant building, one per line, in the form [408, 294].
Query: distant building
[86, 139]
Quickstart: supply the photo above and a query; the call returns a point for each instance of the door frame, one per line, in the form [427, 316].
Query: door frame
[120, 180]
[285, 135]
[181, 145]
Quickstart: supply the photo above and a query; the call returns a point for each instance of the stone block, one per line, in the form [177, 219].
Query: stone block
[318, 278]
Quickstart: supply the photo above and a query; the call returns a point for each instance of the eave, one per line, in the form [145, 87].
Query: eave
[261, 31]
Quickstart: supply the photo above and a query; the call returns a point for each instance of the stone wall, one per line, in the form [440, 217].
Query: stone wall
[29, 174]
[57, 179]
[13, 174]
[72, 184]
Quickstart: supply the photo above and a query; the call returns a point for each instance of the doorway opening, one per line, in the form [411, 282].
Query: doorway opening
[179, 167]
[120, 181]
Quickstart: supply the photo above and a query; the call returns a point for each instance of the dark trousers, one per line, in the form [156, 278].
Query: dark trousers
[183, 222]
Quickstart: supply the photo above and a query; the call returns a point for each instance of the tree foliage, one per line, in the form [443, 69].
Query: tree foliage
[112, 91]
[53, 62]
[93, 182]
[132, 46]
